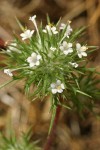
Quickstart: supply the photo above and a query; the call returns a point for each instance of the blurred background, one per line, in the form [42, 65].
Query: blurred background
[16, 112]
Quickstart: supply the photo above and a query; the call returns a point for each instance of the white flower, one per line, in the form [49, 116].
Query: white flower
[75, 65]
[34, 21]
[33, 60]
[52, 48]
[68, 29]
[63, 26]
[35, 24]
[66, 47]
[47, 28]
[27, 34]
[54, 30]
[57, 87]
[50, 30]
[8, 72]
[81, 50]
[12, 47]
[32, 18]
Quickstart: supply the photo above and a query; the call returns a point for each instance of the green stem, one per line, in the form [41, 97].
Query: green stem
[51, 136]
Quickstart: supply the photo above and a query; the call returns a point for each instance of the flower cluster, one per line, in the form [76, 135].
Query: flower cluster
[49, 57]
[50, 30]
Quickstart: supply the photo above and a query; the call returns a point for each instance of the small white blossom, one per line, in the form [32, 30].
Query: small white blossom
[54, 30]
[35, 24]
[8, 72]
[12, 47]
[27, 34]
[62, 26]
[33, 60]
[34, 21]
[52, 48]
[75, 65]
[50, 30]
[66, 47]
[57, 87]
[68, 29]
[81, 50]
[47, 29]
[32, 18]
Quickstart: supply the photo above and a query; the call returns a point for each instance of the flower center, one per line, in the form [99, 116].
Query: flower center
[34, 59]
[58, 87]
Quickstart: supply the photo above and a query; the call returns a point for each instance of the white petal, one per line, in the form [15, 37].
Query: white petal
[62, 26]
[66, 52]
[70, 50]
[60, 91]
[54, 91]
[53, 85]
[62, 86]
[75, 65]
[65, 44]
[78, 46]
[62, 48]
[32, 64]
[58, 82]
[55, 32]
[32, 18]
[37, 63]
[29, 59]
[84, 53]
[52, 48]
[45, 31]
[69, 29]
[69, 45]
[22, 34]
[9, 51]
[27, 32]
[53, 29]
[80, 55]
[48, 27]
[33, 54]
[32, 32]
[38, 57]
[23, 38]
[8, 72]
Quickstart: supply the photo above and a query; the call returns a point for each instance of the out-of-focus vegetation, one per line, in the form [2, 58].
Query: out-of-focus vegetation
[13, 143]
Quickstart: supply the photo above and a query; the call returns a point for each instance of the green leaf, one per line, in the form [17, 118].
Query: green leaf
[20, 25]
[6, 83]
[48, 19]
[65, 106]
[81, 92]
[21, 143]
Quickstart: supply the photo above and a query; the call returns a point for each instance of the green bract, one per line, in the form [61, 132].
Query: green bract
[52, 60]
[20, 143]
